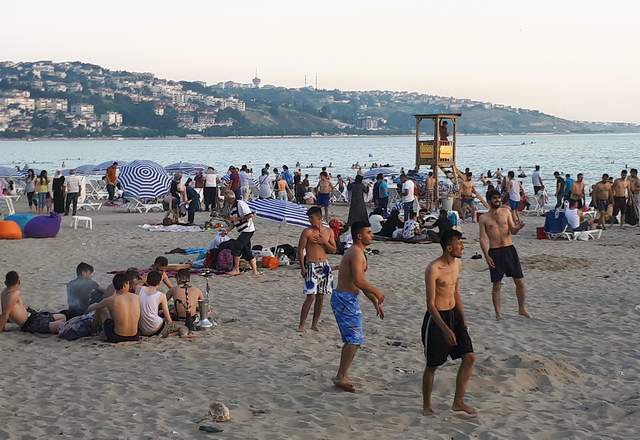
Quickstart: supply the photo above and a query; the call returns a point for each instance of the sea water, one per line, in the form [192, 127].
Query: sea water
[590, 154]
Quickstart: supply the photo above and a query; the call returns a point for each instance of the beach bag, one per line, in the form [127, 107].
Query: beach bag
[224, 261]
[270, 262]
[631, 217]
[76, 328]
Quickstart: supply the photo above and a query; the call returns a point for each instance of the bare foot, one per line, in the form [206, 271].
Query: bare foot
[498, 317]
[524, 313]
[233, 273]
[257, 274]
[315, 328]
[427, 411]
[344, 385]
[464, 409]
[301, 329]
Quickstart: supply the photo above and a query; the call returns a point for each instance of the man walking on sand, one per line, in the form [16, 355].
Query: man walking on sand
[241, 218]
[620, 189]
[634, 192]
[316, 242]
[496, 228]
[344, 301]
[444, 328]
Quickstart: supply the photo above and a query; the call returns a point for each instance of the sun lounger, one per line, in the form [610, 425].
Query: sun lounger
[6, 206]
[556, 226]
[90, 206]
[136, 205]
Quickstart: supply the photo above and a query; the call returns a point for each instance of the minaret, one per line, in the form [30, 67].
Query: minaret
[256, 81]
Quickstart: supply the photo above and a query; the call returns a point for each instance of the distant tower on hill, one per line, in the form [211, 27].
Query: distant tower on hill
[256, 81]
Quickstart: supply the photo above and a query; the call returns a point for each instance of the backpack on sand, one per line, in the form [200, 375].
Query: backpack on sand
[224, 261]
[76, 328]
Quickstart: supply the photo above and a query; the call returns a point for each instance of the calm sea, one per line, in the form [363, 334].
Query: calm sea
[589, 154]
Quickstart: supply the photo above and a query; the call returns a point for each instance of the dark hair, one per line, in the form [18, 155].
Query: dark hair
[633, 170]
[119, 280]
[115, 163]
[153, 278]
[511, 174]
[11, 278]
[568, 176]
[315, 211]
[413, 214]
[132, 274]
[605, 176]
[358, 178]
[492, 193]
[183, 276]
[323, 174]
[537, 167]
[379, 176]
[284, 167]
[580, 175]
[83, 267]
[160, 262]
[357, 227]
[447, 237]
[444, 213]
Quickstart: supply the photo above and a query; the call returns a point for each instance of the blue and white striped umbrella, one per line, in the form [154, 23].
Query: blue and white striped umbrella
[144, 179]
[104, 165]
[372, 173]
[280, 210]
[185, 168]
[86, 170]
[11, 172]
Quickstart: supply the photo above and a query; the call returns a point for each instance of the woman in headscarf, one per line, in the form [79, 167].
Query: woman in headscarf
[357, 207]
[58, 193]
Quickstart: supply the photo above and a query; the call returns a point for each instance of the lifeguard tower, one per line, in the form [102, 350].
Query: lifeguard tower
[438, 151]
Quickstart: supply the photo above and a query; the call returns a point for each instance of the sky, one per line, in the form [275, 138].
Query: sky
[574, 59]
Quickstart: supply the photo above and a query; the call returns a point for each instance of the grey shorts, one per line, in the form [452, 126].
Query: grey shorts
[37, 322]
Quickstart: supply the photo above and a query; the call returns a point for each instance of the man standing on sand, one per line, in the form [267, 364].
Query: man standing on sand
[444, 328]
[496, 228]
[634, 191]
[602, 197]
[241, 218]
[468, 194]
[408, 195]
[536, 180]
[119, 313]
[577, 191]
[619, 189]
[324, 192]
[559, 188]
[514, 188]
[14, 310]
[111, 181]
[431, 192]
[316, 242]
[344, 301]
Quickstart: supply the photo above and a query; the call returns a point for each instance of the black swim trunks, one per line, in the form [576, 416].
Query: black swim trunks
[112, 336]
[506, 262]
[38, 322]
[436, 346]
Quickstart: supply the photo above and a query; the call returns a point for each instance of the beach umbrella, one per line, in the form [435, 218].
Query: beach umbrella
[280, 211]
[144, 179]
[185, 168]
[85, 170]
[372, 173]
[104, 165]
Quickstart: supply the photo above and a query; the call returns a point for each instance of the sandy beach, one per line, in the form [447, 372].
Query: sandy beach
[570, 373]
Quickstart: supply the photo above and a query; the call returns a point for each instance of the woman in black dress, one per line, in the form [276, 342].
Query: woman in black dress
[58, 193]
[357, 207]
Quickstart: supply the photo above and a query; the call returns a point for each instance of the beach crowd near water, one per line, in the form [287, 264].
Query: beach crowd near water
[347, 215]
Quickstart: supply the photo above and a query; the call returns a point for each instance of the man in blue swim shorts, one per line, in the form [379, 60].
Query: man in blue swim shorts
[324, 191]
[344, 300]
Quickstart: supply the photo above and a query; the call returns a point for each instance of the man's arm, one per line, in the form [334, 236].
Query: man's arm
[458, 298]
[513, 228]
[101, 305]
[165, 310]
[330, 243]
[167, 282]
[302, 244]
[374, 294]
[6, 311]
[430, 277]
[484, 243]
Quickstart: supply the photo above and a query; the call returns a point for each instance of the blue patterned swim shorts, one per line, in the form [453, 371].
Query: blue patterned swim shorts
[346, 309]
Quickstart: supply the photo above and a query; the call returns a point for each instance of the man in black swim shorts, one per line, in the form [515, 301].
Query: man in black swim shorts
[496, 228]
[444, 329]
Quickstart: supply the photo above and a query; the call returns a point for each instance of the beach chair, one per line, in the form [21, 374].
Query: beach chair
[89, 206]
[536, 206]
[555, 225]
[136, 205]
[6, 206]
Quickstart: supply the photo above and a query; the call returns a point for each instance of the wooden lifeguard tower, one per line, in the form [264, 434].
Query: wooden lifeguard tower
[438, 152]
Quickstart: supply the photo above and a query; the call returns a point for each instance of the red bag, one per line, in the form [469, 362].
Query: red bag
[540, 234]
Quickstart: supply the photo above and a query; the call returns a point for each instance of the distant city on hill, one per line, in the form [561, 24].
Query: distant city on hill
[75, 99]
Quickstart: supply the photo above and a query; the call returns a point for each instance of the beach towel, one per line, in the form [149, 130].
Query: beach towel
[171, 228]
[76, 328]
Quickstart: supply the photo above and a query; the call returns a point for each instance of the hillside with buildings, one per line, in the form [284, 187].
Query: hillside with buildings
[74, 99]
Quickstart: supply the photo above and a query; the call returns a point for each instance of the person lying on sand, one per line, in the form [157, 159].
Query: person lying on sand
[444, 328]
[119, 313]
[315, 242]
[14, 310]
[344, 301]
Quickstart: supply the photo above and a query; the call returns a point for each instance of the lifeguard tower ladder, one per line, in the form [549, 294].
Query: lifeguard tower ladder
[436, 152]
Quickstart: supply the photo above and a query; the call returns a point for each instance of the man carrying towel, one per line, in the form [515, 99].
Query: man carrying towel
[344, 301]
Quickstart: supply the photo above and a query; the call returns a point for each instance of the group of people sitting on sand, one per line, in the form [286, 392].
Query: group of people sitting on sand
[131, 306]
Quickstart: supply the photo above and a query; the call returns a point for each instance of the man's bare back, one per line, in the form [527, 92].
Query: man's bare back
[124, 309]
[180, 300]
[12, 301]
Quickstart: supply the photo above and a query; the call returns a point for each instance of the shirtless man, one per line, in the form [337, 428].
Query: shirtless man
[183, 281]
[14, 310]
[496, 228]
[444, 329]
[577, 191]
[316, 241]
[634, 191]
[324, 189]
[431, 192]
[160, 264]
[620, 188]
[602, 197]
[119, 313]
[344, 301]
[467, 195]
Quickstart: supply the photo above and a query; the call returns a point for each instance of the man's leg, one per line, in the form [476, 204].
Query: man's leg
[427, 387]
[67, 204]
[317, 312]
[57, 323]
[522, 310]
[346, 359]
[473, 212]
[558, 201]
[236, 266]
[495, 296]
[74, 200]
[306, 306]
[462, 379]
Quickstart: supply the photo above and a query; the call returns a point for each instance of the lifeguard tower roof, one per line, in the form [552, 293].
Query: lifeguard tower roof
[438, 115]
